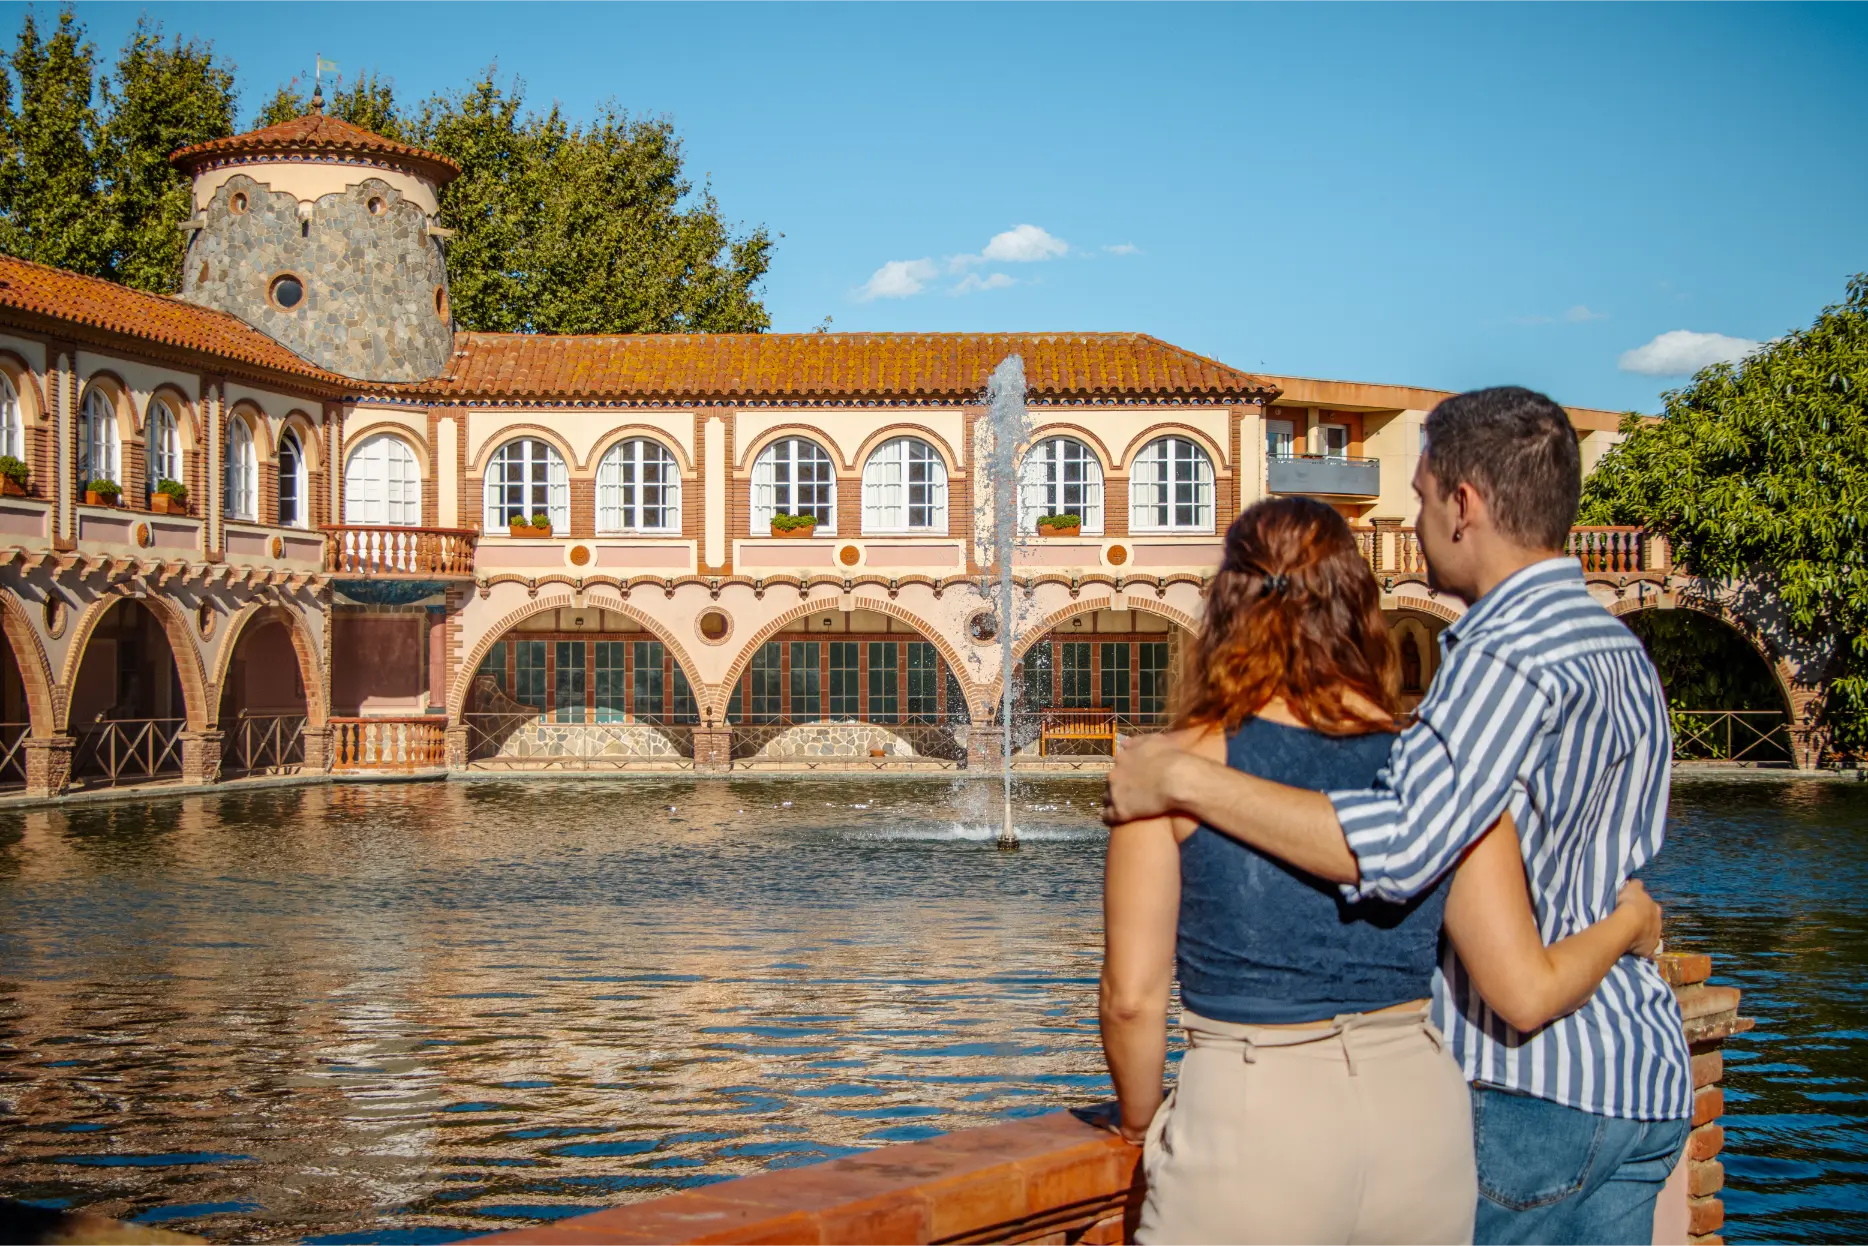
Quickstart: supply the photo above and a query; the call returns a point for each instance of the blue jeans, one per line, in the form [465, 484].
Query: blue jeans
[1560, 1175]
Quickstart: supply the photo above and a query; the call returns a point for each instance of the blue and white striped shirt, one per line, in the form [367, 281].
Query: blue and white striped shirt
[1547, 706]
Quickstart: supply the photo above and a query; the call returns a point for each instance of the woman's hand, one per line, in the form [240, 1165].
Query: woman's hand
[1633, 898]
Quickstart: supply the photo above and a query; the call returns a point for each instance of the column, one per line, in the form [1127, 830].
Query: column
[447, 473]
[211, 400]
[48, 765]
[985, 746]
[317, 750]
[713, 491]
[64, 447]
[201, 756]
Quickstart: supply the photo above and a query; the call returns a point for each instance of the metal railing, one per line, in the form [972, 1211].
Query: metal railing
[931, 739]
[1731, 735]
[585, 747]
[13, 754]
[388, 743]
[387, 550]
[263, 744]
[128, 750]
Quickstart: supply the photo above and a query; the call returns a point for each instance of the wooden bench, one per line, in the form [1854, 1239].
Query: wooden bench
[1077, 725]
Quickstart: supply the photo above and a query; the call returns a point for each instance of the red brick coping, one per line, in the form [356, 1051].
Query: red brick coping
[1052, 1178]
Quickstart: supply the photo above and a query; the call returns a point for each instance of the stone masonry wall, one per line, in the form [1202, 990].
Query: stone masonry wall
[370, 305]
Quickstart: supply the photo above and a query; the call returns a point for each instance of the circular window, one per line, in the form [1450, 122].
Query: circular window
[54, 615]
[286, 291]
[376, 205]
[714, 626]
[983, 627]
[441, 302]
[237, 203]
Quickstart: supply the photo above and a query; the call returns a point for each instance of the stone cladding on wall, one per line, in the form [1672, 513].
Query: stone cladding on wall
[370, 308]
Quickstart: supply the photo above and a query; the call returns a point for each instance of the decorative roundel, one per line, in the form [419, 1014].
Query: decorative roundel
[849, 555]
[56, 615]
[580, 555]
[205, 616]
[982, 627]
[714, 626]
[278, 547]
[237, 203]
[144, 537]
[1117, 555]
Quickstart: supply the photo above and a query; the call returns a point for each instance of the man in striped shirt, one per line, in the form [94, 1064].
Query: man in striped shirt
[1544, 707]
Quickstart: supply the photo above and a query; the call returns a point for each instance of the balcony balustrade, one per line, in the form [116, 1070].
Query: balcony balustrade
[394, 744]
[1394, 550]
[388, 551]
[1328, 475]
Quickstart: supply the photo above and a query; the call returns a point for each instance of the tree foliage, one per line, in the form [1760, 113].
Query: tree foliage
[560, 226]
[1760, 471]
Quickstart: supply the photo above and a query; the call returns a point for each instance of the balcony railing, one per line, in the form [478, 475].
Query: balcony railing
[408, 553]
[1327, 474]
[1393, 550]
[263, 744]
[128, 750]
[388, 743]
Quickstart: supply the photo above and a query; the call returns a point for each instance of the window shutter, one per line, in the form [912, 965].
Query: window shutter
[763, 503]
[558, 489]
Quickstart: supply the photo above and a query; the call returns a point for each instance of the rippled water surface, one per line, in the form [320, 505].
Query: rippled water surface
[375, 1013]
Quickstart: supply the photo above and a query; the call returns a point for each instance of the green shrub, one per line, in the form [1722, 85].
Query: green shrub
[541, 521]
[104, 488]
[173, 488]
[15, 470]
[792, 523]
[1061, 521]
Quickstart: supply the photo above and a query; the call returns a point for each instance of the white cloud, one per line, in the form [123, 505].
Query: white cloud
[1579, 313]
[898, 279]
[1682, 352]
[1023, 244]
[1123, 248]
[991, 281]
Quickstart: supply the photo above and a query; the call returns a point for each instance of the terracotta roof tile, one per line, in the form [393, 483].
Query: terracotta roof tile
[926, 366]
[101, 304]
[315, 134]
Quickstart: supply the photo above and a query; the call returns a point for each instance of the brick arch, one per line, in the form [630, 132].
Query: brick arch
[310, 668]
[35, 673]
[257, 423]
[749, 453]
[417, 444]
[299, 421]
[463, 677]
[920, 432]
[198, 705]
[26, 383]
[122, 404]
[489, 445]
[1077, 432]
[1215, 453]
[614, 437]
[1421, 605]
[1049, 623]
[1797, 707]
[928, 631]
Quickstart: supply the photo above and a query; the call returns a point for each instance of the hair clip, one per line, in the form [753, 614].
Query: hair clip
[1275, 584]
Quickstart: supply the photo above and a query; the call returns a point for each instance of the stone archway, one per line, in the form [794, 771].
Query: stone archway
[271, 709]
[135, 701]
[29, 661]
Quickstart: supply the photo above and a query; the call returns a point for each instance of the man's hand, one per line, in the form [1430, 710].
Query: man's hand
[1141, 781]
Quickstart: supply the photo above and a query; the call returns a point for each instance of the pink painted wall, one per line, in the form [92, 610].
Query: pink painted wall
[377, 664]
[265, 676]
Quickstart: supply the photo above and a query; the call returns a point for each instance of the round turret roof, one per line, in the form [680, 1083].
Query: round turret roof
[315, 137]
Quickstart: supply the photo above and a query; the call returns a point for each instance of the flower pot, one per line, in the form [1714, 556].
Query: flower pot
[525, 531]
[167, 504]
[1045, 529]
[101, 499]
[794, 534]
[13, 488]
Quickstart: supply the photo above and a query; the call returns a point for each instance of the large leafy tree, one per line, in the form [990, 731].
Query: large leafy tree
[1760, 472]
[50, 197]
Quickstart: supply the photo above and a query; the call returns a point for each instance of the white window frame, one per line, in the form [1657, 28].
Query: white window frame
[297, 477]
[162, 444]
[776, 487]
[1045, 487]
[12, 426]
[639, 488]
[1323, 441]
[905, 489]
[531, 470]
[399, 504]
[98, 450]
[240, 496]
[1280, 439]
[1171, 487]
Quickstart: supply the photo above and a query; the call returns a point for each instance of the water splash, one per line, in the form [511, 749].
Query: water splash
[1009, 427]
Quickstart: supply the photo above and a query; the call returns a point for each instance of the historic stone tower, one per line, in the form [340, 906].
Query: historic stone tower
[324, 236]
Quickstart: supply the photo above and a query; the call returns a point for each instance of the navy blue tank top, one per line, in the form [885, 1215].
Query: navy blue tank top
[1263, 943]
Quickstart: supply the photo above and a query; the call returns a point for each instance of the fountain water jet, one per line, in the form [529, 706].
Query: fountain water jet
[1009, 426]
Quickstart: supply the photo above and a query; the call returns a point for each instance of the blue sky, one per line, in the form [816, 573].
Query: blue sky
[1447, 196]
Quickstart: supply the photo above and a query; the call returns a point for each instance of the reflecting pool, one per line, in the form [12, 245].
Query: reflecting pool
[406, 1013]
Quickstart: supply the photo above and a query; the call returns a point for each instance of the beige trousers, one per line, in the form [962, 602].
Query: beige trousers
[1359, 1130]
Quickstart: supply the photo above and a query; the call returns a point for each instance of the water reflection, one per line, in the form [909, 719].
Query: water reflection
[407, 1013]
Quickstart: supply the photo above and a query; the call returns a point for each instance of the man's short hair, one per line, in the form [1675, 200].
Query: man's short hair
[1518, 450]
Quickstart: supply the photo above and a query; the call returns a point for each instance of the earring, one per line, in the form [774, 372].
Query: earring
[1457, 533]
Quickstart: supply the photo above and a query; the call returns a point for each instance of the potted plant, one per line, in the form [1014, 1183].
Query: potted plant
[13, 476]
[1060, 525]
[539, 527]
[794, 526]
[170, 498]
[102, 493]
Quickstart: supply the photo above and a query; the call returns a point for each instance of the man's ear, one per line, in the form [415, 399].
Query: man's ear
[1471, 506]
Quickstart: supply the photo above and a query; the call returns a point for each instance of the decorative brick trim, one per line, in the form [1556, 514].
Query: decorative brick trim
[179, 629]
[35, 672]
[1050, 622]
[310, 665]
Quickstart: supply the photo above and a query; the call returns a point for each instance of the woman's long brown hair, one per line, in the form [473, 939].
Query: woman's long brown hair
[1295, 613]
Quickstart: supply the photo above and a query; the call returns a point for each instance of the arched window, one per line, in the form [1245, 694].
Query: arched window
[905, 488]
[794, 476]
[1061, 476]
[12, 427]
[526, 477]
[638, 488]
[97, 440]
[293, 493]
[162, 439]
[1171, 488]
[382, 483]
[241, 500]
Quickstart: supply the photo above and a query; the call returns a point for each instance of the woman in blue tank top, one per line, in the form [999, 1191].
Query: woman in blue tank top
[1315, 1102]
